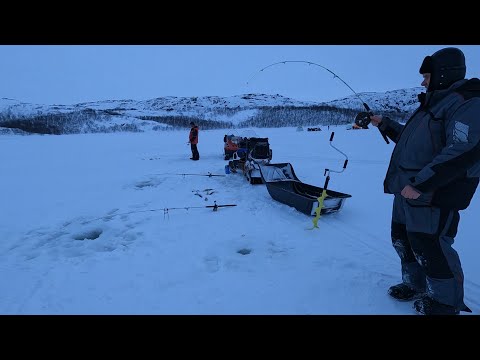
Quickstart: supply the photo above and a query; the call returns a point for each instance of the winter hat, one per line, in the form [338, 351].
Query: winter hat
[192, 123]
[446, 67]
[426, 65]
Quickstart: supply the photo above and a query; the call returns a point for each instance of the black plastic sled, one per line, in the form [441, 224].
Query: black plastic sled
[285, 187]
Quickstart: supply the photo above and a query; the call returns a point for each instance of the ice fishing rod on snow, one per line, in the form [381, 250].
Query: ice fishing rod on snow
[325, 186]
[208, 174]
[214, 207]
[362, 119]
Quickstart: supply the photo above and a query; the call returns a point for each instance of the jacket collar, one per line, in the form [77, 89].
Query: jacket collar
[432, 97]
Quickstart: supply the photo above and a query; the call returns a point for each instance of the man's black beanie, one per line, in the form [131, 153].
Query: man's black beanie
[446, 66]
[426, 65]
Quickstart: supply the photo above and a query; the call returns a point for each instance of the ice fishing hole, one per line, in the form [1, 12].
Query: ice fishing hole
[244, 251]
[88, 235]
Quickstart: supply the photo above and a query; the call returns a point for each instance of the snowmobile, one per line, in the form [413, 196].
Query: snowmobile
[256, 152]
[231, 144]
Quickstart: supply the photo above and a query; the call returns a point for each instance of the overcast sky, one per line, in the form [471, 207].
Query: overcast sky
[70, 74]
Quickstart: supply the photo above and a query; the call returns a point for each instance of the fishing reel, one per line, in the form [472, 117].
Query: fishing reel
[363, 119]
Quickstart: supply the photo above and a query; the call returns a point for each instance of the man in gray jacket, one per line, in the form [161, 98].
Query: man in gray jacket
[433, 174]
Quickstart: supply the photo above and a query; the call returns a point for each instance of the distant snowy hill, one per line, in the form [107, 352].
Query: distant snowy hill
[209, 111]
[401, 101]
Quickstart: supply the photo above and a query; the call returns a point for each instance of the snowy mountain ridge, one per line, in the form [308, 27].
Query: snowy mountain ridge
[164, 112]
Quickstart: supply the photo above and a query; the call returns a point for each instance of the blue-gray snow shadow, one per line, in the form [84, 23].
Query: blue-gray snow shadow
[80, 237]
[151, 181]
[244, 253]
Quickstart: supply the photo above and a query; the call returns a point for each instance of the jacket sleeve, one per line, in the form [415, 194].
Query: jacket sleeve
[391, 128]
[461, 153]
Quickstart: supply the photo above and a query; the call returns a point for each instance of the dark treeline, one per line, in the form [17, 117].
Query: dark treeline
[84, 121]
[307, 116]
[182, 122]
[99, 121]
[54, 124]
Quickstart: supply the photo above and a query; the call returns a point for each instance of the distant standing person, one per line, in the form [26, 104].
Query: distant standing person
[193, 140]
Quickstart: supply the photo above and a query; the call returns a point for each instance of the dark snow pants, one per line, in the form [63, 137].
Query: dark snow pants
[423, 236]
[195, 154]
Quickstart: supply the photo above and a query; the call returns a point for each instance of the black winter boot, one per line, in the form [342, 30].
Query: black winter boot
[403, 292]
[428, 306]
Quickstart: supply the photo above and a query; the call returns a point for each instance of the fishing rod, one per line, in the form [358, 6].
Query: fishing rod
[208, 174]
[362, 119]
[214, 207]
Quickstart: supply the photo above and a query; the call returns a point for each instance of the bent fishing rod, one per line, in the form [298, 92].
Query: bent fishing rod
[362, 119]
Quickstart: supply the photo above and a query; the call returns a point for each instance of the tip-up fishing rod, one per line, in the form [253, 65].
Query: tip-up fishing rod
[362, 119]
[208, 174]
[214, 207]
[327, 172]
